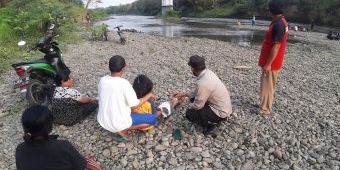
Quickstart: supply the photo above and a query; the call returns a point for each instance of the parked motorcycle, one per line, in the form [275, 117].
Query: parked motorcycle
[37, 77]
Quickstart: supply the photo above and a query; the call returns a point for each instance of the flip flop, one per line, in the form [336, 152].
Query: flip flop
[118, 137]
[177, 134]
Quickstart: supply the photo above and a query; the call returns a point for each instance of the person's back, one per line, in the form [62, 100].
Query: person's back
[219, 98]
[41, 151]
[145, 108]
[51, 154]
[114, 111]
[142, 86]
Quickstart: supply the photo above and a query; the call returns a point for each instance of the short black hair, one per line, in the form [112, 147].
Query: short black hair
[61, 76]
[197, 62]
[37, 123]
[142, 85]
[116, 63]
[275, 7]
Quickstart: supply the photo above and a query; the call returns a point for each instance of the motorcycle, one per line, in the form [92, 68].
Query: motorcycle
[37, 77]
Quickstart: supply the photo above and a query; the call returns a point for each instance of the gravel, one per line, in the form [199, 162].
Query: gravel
[301, 133]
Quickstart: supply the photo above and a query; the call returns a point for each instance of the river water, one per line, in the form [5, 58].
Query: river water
[211, 28]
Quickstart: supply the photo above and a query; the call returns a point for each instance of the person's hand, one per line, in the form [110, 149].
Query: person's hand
[180, 95]
[267, 67]
[153, 96]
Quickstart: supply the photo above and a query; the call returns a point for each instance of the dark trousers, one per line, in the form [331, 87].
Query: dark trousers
[203, 117]
[88, 108]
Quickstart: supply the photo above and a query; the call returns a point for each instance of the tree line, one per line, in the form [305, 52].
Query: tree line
[321, 11]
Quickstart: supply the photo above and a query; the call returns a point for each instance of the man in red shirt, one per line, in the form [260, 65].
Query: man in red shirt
[272, 54]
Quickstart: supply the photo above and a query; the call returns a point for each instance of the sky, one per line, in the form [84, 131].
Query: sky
[107, 3]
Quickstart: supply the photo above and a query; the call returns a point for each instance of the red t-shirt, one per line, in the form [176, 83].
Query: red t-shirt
[276, 33]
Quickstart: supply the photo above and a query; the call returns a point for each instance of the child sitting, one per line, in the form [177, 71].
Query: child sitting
[142, 86]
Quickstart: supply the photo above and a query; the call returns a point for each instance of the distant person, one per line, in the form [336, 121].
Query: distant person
[272, 55]
[253, 20]
[238, 23]
[329, 35]
[312, 25]
[296, 28]
[210, 99]
[41, 151]
[88, 18]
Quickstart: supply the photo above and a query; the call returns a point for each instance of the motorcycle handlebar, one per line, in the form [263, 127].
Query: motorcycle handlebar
[49, 40]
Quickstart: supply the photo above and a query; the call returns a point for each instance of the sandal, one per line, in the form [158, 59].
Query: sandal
[119, 138]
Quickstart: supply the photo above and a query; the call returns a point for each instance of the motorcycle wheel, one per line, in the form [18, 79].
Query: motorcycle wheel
[35, 95]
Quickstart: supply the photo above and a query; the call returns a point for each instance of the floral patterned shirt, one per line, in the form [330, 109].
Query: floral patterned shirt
[66, 92]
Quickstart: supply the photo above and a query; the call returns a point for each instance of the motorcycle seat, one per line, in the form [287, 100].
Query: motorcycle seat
[41, 60]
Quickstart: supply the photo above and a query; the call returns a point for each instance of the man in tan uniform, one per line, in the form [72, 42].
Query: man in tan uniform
[210, 99]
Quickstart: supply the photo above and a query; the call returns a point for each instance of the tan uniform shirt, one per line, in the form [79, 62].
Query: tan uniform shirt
[211, 90]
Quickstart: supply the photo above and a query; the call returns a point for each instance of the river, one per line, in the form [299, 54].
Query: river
[222, 29]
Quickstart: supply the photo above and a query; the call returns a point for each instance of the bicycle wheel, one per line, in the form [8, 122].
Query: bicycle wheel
[122, 40]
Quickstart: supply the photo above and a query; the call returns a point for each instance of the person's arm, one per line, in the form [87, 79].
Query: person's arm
[77, 160]
[201, 97]
[181, 94]
[272, 55]
[143, 100]
[84, 99]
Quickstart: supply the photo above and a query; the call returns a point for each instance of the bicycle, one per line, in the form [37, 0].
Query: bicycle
[120, 33]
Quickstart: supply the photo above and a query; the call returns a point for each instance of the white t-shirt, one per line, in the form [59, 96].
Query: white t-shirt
[116, 97]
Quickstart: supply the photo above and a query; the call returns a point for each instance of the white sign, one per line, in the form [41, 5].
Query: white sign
[167, 3]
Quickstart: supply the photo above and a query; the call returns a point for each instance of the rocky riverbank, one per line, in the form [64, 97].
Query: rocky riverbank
[302, 133]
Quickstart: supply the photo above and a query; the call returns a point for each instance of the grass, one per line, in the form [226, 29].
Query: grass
[171, 15]
[10, 53]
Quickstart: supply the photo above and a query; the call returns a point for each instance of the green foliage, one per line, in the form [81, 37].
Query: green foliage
[240, 10]
[323, 12]
[27, 20]
[217, 12]
[140, 7]
[171, 15]
[98, 14]
[5, 24]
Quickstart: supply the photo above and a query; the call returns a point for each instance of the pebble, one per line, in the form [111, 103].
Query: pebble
[302, 128]
[107, 153]
[205, 154]
[196, 149]
[278, 154]
[160, 148]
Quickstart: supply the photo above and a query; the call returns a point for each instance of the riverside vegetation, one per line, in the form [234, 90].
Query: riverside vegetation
[27, 20]
[322, 12]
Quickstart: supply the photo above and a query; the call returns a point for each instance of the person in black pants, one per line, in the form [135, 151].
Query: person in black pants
[210, 99]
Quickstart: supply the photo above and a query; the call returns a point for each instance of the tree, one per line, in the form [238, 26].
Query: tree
[3, 3]
[89, 2]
